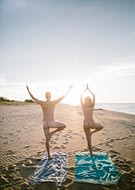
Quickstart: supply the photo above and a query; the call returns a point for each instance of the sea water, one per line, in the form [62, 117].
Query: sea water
[120, 107]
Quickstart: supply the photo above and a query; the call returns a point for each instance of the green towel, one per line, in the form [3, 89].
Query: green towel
[98, 169]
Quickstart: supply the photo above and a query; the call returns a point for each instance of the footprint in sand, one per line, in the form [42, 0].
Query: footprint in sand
[41, 142]
[5, 143]
[114, 152]
[28, 164]
[110, 145]
[76, 134]
[12, 167]
[57, 147]
[82, 137]
[26, 146]
[18, 131]
[70, 131]
[125, 167]
[10, 152]
[68, 182]
[63, 146]
[66, 141]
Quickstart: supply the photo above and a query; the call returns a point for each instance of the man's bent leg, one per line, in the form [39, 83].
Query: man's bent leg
[59, 127]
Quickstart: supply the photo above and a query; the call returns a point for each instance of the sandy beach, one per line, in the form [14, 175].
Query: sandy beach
[22, 145]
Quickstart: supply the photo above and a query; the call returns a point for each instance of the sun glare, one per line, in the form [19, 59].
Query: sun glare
[59, 88]
[73, 97]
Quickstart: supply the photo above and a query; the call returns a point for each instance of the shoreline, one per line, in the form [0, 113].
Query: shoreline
[99, 106]
[22, 143]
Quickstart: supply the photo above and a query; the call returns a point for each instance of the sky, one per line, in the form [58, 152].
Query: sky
[49, 44]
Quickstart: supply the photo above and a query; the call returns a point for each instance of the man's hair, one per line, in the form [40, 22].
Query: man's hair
[47, 94]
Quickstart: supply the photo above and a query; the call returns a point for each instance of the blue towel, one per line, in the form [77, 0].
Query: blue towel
[98, 169]
[54, 170]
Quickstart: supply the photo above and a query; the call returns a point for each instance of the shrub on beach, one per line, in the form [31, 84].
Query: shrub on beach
[29, 100]
[3, 99]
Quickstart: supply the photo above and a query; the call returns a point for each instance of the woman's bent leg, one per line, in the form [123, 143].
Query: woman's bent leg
[97, 127]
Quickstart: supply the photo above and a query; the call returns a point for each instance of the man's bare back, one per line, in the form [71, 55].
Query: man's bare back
[48, 110]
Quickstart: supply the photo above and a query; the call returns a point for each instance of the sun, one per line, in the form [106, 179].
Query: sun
[73, 97]
[59, 88]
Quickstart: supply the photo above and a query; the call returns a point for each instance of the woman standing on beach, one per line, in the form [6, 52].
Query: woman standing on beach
[89, 125]
[48, 107]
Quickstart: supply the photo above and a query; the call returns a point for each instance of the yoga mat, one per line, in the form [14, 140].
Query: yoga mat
[53, 170]
[98, 169]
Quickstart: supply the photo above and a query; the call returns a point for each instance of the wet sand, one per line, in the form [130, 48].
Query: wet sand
[22, 144]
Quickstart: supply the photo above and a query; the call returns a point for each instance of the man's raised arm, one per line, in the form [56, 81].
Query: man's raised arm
[31, 95]
[61, 98]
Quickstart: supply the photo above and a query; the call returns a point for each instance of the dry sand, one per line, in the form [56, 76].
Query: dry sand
[22, 145]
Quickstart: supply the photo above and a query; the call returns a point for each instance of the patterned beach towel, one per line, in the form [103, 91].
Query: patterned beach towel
[53, 170]
[98, 169]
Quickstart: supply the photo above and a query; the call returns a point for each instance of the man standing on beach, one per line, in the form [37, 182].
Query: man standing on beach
[48, 108]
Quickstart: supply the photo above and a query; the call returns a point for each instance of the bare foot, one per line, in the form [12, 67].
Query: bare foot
[49, 157]
[91, 153]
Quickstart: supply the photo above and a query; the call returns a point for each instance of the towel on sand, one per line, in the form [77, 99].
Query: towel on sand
[98, 169]
[53, 170]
